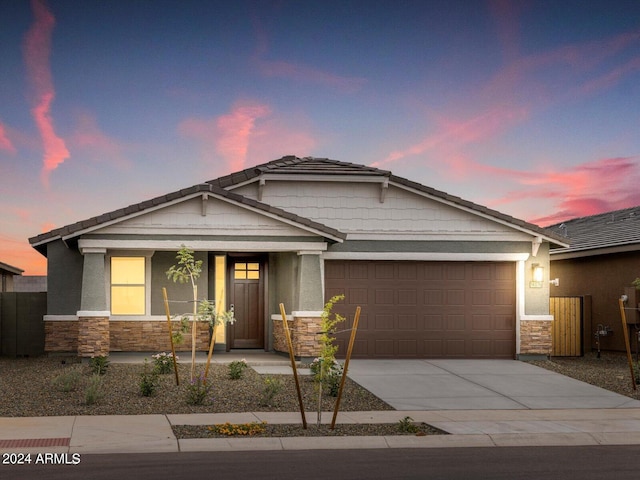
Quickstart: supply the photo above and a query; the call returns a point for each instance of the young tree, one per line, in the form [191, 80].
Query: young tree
[188, 270]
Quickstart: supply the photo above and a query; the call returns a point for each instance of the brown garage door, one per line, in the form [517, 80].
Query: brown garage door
[426, 309]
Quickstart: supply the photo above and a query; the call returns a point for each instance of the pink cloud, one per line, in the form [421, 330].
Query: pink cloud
[248, 130]
[235, 130]
[586, 189]
[451, 136]
[37, 50]
[308, 74]
[5, 143]
[89, 139]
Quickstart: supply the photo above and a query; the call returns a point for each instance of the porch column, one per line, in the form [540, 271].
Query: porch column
[310, 286]
[93, 317]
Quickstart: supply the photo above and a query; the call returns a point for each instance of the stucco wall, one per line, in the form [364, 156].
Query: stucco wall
[64, 279]
[604, 278]
[160, 263]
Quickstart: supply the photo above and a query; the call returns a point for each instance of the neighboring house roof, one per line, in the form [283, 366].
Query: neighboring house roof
[287, 168]
[609, 232]
[8, 268]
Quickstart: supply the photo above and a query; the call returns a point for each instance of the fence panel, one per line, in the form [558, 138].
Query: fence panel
[21, 324]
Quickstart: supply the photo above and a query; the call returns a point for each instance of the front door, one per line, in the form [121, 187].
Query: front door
[246, 278]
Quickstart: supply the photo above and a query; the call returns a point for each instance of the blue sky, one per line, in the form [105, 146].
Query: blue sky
[528, 107]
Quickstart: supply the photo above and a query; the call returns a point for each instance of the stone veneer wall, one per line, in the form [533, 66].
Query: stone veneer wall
[121, 336]
[152, 336]
[61, 336]
[93, 336]
[535, 337]
[303, 336]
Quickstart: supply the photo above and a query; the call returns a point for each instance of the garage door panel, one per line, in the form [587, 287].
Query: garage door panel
[433, 298]
[384, 297]
[407, 322]
[455, 323]
[482, 322]
[384, 322]
[427, 309]
[433, 322]
[408, 297]
[455, 297]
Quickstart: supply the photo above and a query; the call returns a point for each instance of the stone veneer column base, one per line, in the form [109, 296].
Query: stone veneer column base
[153, 336]
[304, 330]
[535, 337]
[93, 336]
[61, 336]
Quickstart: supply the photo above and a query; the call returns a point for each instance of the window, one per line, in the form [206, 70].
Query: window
[246, 271]
[127, 285]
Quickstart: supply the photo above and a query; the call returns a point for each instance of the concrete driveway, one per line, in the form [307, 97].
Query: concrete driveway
[478, 385]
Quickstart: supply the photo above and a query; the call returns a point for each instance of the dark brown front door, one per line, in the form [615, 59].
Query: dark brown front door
[246, 278]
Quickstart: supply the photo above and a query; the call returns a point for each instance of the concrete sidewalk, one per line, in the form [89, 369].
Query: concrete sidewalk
[478, 403]
[153, 433]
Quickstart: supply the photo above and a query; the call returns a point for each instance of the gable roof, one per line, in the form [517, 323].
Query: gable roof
[8, 268]
[618, 230]
[282, 168]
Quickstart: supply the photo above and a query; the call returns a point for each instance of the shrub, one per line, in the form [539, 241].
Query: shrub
[148, 380]
[68, 381]
[93, 393]
[244, 429]
[198, 391]
[163, 362]
[236, 369]
[406, 425]
[272, 386]
[99, 364]
[330, 375]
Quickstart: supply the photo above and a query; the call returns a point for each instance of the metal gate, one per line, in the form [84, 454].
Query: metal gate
[568, 326]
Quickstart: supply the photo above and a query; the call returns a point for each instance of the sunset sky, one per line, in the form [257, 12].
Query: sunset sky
[529, 107]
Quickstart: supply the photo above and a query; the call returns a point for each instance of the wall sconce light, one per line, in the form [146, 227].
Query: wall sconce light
[537, 271]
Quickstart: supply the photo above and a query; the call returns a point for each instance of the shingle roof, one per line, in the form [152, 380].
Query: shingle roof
[202, 188]
[289, 165]
[612, 229]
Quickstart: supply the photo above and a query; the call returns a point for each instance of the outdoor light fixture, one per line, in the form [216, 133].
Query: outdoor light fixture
[537, 271]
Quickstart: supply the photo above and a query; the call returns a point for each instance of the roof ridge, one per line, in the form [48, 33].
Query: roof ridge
[596, 215]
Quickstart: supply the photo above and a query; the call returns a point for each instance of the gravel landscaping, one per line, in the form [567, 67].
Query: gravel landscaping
[59, 386]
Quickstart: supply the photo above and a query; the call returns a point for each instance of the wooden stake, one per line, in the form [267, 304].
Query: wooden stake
[293, 363]
[626, 342]
[211, 345]
[173, 348]
[352, 339]
[194, 332]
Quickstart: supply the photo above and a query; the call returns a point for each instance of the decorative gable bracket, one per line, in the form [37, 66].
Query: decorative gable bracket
[384, 188]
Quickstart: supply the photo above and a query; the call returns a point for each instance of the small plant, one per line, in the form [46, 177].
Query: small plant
[163, 362]
[93, 393]
[329, 375]
[68, 381]
[406, 425]
[236, 369]
[149, 380]
[99, 364]
[198, 391]
[272, 386]
[239, 429]
[636, 283]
